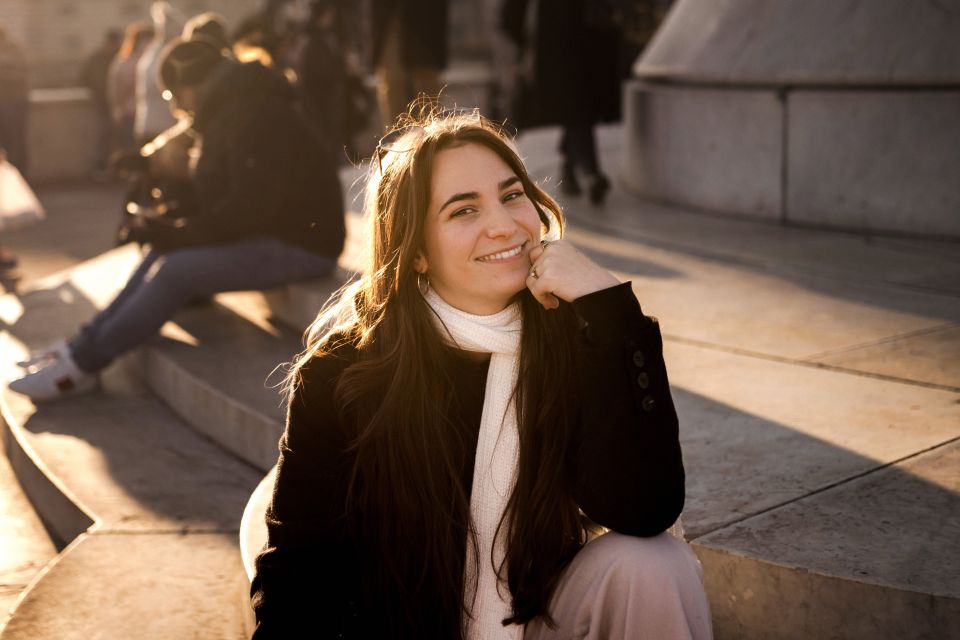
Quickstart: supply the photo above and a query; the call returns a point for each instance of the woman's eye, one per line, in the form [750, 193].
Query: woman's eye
[513, 195]
[461, 212]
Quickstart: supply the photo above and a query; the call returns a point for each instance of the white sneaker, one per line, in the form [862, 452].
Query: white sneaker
[62, 378]
[46, 356]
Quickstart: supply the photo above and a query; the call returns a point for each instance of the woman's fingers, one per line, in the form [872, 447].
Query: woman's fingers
[558, 270]
[535, 253]
[541, 292]
[540, 278]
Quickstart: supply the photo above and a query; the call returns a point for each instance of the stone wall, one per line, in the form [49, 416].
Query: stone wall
[833, 113]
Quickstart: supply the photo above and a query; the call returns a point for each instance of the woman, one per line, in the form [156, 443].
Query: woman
[458, 407]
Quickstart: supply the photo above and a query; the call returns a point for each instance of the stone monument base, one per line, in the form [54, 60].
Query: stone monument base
[852, 158]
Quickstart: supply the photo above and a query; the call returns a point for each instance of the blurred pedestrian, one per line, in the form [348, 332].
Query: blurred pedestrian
[153, 113]
[466, 419]
[409, 51]
[122, 84]
[14, 102]
[570, 76]
[269, 211]
[95, 77]
[329, 77]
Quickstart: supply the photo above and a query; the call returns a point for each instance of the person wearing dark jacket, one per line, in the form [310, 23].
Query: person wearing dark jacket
[269, 211]
[409, 51]
[570, 76]
[457, 412]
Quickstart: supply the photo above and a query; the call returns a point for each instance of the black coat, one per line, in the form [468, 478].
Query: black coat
[261, 170]
[577, 63]
[423, 25]
[627, 472]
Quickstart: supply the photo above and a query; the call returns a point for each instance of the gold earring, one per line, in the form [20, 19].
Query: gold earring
[423, 283]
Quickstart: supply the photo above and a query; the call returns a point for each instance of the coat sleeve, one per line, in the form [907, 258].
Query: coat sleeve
[629, 473]
[305, 575]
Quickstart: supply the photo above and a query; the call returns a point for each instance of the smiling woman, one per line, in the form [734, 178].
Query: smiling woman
[467, 421]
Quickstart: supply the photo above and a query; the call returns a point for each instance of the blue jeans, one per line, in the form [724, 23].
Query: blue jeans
[165, 282]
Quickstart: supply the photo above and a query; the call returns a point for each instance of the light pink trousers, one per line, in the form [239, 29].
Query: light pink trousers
[625, 588]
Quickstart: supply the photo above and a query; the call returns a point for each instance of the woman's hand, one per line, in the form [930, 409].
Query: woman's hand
[558, 270]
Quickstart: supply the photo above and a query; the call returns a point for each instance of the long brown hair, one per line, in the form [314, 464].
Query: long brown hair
[405, 484]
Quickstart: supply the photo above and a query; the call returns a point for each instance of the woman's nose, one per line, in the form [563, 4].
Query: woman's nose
[500, 222]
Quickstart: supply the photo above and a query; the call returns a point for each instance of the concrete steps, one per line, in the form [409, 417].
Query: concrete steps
[160, 558]
[149, 509]
[174, 385]
[26, 544]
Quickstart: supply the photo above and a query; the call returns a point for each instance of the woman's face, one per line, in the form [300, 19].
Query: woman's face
[479, 228]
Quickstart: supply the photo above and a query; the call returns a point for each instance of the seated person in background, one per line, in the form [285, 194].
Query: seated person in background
[269, 210]
[158, 173]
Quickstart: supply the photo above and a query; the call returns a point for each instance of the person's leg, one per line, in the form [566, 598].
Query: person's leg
[582, 144]
[629, 588]
[174, 278]
[581, 147]
[568, 175]
[133, 283]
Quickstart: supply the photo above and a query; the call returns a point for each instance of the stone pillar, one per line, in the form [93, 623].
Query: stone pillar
[837, 113]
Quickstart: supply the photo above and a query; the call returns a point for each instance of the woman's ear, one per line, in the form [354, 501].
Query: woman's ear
[420, 263]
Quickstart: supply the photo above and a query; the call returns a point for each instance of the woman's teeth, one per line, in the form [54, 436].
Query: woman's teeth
[503, 255]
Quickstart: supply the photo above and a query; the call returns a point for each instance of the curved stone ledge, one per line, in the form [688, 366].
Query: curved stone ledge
[761, 601]
[63, 514]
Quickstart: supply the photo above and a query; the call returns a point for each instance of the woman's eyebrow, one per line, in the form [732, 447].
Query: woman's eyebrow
[471, 195]
[509, 182]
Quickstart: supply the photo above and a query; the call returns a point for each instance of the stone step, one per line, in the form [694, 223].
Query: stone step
[160, 558]
[27, 546]
[147, 586]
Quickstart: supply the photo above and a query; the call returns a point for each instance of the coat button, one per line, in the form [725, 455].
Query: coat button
[648, 403]
[638, 359]
[643, 380]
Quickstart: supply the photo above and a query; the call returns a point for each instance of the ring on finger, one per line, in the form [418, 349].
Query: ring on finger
[544, 244]
[534, 274]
